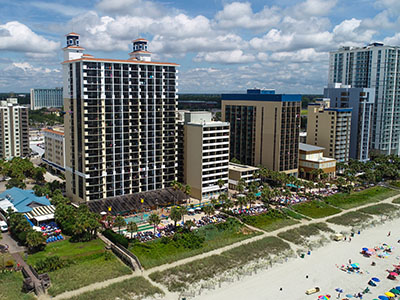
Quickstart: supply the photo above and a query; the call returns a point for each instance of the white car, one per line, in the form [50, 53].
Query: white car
[3, 226]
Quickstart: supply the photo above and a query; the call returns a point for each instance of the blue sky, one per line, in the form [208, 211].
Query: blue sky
[222, 46]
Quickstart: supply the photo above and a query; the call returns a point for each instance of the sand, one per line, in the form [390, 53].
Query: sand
[322, 271]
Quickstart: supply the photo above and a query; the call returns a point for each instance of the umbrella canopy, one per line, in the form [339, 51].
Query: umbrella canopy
[339, 290]
[395, 291]
[323, 297]
[383, 298]
[390, 294]
[355, 265]
[349, 296]
[375, 279]
[364, 249]
[398, 288]
[394, 274]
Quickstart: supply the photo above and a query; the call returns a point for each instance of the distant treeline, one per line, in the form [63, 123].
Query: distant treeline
[23, 98]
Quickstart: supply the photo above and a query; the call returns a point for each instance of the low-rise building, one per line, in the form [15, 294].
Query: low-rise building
[238, 172]
[206, 154]
[312, 158]
[54, 145]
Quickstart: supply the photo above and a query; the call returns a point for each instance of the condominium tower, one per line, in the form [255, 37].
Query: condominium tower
[264, 129]
[205, 154]
[54, 145]
[329, 128]
[361, 100]
[46, 98]
[374, 66]
[14, 130]
[120, 125]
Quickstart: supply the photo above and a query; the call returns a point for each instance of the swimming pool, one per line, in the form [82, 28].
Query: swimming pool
[138, 218]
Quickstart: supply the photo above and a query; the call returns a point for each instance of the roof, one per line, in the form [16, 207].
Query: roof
[24, 200]
[132, 202]
[141, 51]
[241, 168]
[72, 33]
[119, 60]
[140, 40]
[308, 147]
[74, 47]
[53, 131]
[263, 97]
[41, 211]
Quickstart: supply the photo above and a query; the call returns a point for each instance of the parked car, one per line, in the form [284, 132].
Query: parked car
[3, 226]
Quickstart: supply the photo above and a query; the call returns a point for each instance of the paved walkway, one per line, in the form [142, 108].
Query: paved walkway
[13, 246]
[174, 296]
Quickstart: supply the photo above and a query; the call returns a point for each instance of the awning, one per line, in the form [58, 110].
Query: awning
[44, 218]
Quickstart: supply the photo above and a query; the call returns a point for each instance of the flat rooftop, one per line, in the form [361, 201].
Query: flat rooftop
[241, 168]
[308, 147]
[262, 97]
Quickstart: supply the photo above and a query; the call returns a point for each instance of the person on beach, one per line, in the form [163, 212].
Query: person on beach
[389, 233]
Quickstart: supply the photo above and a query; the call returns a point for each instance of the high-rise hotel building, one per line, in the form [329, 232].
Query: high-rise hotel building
[120, 125]
[264, 129]
[375, 66]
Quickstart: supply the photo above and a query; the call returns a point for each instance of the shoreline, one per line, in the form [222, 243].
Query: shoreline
[321, 269]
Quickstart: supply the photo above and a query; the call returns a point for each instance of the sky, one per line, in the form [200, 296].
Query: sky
[221, 45]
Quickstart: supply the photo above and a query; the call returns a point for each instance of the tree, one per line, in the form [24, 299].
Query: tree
[189, 224]
[132, 227]
[241, 201]
[222, 198]
[221, 184]
[38, 174]
[228, 204]
[14, 182]
[241, 185]
[175, 214]
[154, 220]
[119, 222]
[209, 210]
[187, 191]
[35, 240]
[176, 186]
[235, 161]
[250, 198]
[266, 196]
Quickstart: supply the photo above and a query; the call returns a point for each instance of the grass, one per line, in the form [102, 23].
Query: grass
[396, 201]
[395, 184]
[380, 209]
[300, 234]
[315, 209]
[134, 288]
[270, 221]
[162, 251]
[179, 278]
[89, 265]
[11, 287]
[293, 214]
[352, 218]
[371, 195]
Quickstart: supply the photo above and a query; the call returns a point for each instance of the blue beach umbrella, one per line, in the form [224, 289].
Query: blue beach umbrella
[364, 249]
[398, 288]
[349, 296]
[375, 279]
[383, 298]
[339, 290]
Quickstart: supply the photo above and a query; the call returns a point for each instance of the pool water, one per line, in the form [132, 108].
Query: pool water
[138, 218]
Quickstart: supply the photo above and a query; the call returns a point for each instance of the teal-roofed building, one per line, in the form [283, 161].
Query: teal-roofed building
[21, 201]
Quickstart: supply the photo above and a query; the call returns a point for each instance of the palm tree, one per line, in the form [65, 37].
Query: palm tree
[241, 185]
[228, 204]
[250, 198]
[154, 220]
[266, 195]
[35, 240]
[209, 210]
[187, 191]
[119, 222]
[175, 214]
[176, 186]
[132, 227]
[241, 201]
[221, 184]
[222, 198]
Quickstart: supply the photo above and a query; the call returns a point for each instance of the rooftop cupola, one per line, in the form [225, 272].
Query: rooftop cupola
[140, 50]
[72, 50]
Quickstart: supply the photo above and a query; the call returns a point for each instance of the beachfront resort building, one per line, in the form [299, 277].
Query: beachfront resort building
[329, 128]
[311, 159]
[264, 129]
[205, 149]
[374, 66]
[46, 98]
[238, 172]
[120, 122]
[361, 100]
[14, 130]
[54, 145]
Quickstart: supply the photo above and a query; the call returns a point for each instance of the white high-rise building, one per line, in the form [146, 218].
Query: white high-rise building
[120, 125]
[14, 130]
[374, 66]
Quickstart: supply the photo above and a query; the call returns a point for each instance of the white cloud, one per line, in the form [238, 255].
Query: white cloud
[351, 33]
[313, 8]
[227, 57]
[392, 40]
[66, 10]
[140, 8]
[22, 39]
[241, 15]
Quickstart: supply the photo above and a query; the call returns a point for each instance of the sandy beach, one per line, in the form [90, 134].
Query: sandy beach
[321, 268]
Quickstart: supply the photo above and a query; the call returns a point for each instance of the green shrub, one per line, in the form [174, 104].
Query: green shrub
[189, 240]
[108, 255]
[116, 238]
[51, 263]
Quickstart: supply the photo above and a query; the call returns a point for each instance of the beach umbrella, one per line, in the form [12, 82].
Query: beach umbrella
[339, 290]
[390, 294]
[375, 279]
[395, 291]
[383, 298]
[349, 296]
[398, 288]
[364, 249]
[394, 274]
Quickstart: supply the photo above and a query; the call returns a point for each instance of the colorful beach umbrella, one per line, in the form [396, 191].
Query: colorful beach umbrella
[394, 274]
[395, 291]
[375, 279]
[390, 294]
[398, 287]
[383, 298]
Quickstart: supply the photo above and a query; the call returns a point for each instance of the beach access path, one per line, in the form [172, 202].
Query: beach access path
[174, 296]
